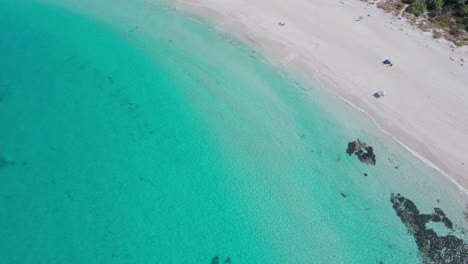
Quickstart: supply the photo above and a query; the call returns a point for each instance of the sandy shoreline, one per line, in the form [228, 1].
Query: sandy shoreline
[426, 108]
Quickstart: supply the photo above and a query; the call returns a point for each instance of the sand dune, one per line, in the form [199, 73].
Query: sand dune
[426, 107]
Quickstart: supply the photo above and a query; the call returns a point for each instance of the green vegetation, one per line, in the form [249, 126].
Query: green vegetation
[451, 14]
[449, 18]
[436, 34]
[416, 8]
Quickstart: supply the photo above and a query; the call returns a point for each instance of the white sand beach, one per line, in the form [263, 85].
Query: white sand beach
[426, 108]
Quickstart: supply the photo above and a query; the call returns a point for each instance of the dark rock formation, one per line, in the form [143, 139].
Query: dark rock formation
[439, 212]
[447, 223]
[351, 148]
[436, 218]
[432, 247]
[215, 260]
[364, 153]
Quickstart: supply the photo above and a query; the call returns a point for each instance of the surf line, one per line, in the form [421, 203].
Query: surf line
[410, 150]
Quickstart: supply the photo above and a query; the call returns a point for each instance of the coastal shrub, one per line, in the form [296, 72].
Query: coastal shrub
[436, 34]
[443, 21]
[416, 8]
[435, 7]
[449, 15]
[455, 31]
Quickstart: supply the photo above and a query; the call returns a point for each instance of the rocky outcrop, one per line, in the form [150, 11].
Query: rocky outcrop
[364, 152]
[432, 247]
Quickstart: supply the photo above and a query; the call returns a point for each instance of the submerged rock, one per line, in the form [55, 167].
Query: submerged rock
[215, 260]
[364, 153]
[432, 247]
[351, 148]
[447, 223]
[436, 218]
[439, 212]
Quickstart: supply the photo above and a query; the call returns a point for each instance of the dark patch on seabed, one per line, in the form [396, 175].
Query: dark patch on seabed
[4, 162]
[432, 247]
[216, 260]
[364, 152]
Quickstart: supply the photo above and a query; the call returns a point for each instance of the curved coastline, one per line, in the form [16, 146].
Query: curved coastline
[161, 175]
[410, 150]
[240, 26]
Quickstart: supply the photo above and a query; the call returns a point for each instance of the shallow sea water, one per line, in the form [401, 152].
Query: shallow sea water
[132, 133]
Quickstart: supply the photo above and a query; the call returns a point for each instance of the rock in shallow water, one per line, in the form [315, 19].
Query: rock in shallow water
[364, 153]
[432, 247]
[215, 260]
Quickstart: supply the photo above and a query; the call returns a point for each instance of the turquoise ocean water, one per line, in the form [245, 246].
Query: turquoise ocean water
[132, 133]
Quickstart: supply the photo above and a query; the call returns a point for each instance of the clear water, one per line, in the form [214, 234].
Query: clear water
[132, 133]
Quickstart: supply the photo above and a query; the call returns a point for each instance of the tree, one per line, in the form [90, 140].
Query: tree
[416, 8]
[436, 7]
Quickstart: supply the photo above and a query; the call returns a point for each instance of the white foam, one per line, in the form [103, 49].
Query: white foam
[410, 150]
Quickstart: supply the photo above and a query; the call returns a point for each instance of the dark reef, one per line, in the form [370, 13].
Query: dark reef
[215, 260]
[432, 247]
[364, 153]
